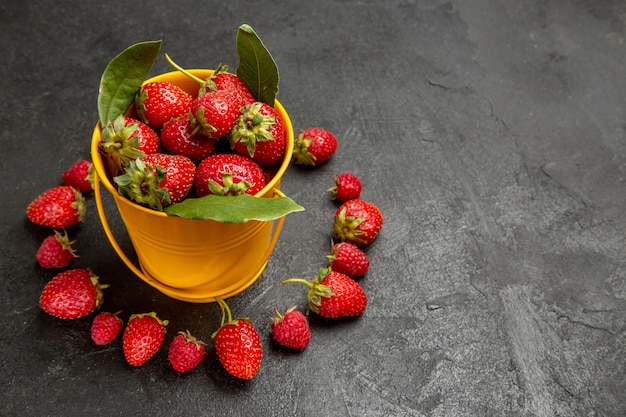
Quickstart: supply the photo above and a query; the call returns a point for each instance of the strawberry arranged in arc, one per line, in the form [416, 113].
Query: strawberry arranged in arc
[59, 207]
[314, 146]
[143, 337]
[186, 352]
[56, 251]
[157, 180]
[238, 345]
[347, 187]
[228, 174]
[79, 176]
[105, 328]
[291, 329]
[333, 294]
[260, 134]
[161, 101]
[177, 138]
[72, 294]
[358, 222]
[348, 259]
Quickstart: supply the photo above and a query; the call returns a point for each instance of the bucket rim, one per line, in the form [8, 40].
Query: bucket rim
[272, 185]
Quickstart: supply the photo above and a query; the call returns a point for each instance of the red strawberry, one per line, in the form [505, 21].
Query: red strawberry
[143, 337]
[333, 294]
[79, 176]
[291, 329]
[186, 352]
[127, 139]
[260, 134]
[348, 259]
[238, 345]
[160, 101]
[347, 187]
[105, 328]
[58, 207]
[72, 294]
[358, 222]
[56, 251]
[228, 174]
[223, 80]
[214, 114]
[157, 180]
[177, 139]
[314, 146]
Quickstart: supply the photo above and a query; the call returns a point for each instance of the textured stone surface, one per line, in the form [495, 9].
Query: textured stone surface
[491, 135]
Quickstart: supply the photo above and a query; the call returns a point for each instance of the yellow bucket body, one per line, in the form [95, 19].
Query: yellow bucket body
[187, 259]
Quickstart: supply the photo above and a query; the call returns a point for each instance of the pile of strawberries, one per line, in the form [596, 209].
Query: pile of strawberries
[169, 146]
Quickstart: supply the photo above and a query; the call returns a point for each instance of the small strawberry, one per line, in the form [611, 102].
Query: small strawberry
[228, 174]
[237, 345]
[127, 139]
[186, 352]
[157, 180]
[72, 294]
[347, 187]
[142, 337]
[333, 294]
[214, 114]
[357, 222]
[348, 259]
[58, 207]
[106, 327]
[177, 139]
[291, 329]
[79, 176]
[260, 134]
[56, 251]
[314, 146]
[161, 101]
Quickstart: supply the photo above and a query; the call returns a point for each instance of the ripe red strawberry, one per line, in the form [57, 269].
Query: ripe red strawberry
[177, 139]
[127, 139]
[348, 259]
[79, 176]
[186, 352]
[357, 222]
[143, 337]
[347, 187]
[314, 146]
[56, 251]
[160, 101]
[291, 329]
[228, 174]
[238, 345]
[157, 180]
[214, 113]
[260, 134]
[223, 80]
[72, 294]
[333, 294]
[58, 207]
[105, 328]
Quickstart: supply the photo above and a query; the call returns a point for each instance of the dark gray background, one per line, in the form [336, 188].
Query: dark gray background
[490, 133]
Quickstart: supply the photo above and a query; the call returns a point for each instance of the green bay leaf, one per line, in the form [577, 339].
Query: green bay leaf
[256, 67]
[122, 79]
[233, 209]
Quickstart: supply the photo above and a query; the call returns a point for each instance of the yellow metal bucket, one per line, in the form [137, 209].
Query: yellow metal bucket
[186, 259]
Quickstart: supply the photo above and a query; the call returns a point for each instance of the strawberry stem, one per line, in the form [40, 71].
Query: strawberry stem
[184, 71]
[300, 280]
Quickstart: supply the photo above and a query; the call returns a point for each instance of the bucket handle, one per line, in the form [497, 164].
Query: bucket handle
[120, 252]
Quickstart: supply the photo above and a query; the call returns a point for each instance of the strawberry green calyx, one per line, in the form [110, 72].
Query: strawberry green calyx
[117, 143]
[227, 317]
[79, 204]
[229, 187]
[346, 228]
[150, 314]
[301, 154]
[317, 290]
[65, 242]
[252, 127]
[95, 280]
[140, 183]
[205, 85]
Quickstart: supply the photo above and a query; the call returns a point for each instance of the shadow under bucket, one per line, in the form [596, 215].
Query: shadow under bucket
[186, 259]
